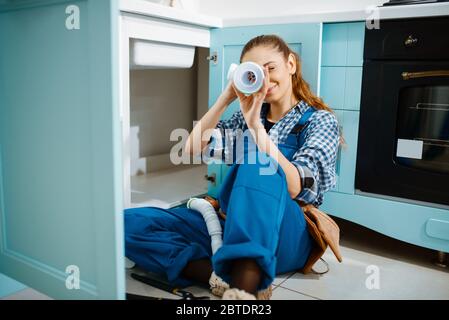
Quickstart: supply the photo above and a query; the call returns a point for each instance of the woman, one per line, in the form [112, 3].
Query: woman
[265, 233]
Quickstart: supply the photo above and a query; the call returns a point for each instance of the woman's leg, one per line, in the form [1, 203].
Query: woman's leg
[198, 270]
[254, 199]
[172, 242]
[246, 275]
[295, 241]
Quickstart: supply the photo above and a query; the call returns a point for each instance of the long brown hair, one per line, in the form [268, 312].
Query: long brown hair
[301, 88]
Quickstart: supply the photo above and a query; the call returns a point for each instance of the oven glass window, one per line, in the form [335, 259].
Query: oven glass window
[422, 131]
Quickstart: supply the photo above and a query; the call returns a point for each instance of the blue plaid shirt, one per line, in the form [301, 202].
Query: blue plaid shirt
[315, 159]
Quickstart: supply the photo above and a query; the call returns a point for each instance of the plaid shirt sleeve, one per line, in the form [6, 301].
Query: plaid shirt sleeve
[224, 136]
[316, 159]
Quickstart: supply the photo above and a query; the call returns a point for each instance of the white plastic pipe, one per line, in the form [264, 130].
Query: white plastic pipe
[211, 219]
[247, 77]
[157, 55]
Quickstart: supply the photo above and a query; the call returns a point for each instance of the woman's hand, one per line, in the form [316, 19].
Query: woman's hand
[252, 105]
[228, 95]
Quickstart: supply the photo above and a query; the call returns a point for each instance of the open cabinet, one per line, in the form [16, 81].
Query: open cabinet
[163, 100]
[165, 89]
[165, 84]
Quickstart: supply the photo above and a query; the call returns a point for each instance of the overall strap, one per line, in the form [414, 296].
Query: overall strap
[298, 129]
[303, 120]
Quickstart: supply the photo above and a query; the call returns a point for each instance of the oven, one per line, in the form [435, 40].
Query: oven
[403, 144]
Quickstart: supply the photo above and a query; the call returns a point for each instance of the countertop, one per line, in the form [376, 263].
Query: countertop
[142, 7]
[391, 12]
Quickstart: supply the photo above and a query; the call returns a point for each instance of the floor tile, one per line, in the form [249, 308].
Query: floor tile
[27, 294]
[136, 287]
[281, 293]
[355, 278]
[281, 278]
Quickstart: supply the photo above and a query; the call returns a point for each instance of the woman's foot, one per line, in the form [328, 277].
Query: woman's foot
[218, 287]
[237, 294]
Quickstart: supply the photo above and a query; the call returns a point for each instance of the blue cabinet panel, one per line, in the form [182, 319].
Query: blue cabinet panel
[335, 36]
[356, 39]
[332, 86]
[340, 87]
[346, 167]
[339, 115]
[400, 220]
[353, 88]
[343, 44]
[60, 156]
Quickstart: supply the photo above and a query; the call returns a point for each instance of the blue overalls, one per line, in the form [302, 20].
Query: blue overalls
[262, 222]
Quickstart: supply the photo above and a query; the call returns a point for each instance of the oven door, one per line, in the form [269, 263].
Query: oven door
[403, 148]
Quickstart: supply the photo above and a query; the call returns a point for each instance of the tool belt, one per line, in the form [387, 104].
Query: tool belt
[323, 230]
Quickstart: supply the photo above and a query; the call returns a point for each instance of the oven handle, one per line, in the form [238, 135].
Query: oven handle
[425, 74]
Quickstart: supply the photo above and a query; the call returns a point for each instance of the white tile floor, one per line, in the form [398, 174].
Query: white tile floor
[405, 272]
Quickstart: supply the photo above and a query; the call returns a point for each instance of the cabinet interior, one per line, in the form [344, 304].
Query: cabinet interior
[163, 99]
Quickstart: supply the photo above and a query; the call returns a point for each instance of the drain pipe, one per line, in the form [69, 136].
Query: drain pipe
[210, 217]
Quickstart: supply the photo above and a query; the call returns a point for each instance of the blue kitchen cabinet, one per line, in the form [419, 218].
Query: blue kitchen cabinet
[332, 86]
[341, 64]
[349, 123]
[340, 88]
[228, 44]
[339, 115]
[343, 44]
[60, 157]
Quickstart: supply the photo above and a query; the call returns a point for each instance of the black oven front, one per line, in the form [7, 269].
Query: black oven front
[403, 146]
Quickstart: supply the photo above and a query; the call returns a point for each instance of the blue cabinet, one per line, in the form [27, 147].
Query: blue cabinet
[343, 44]
[349, 123]
[228, 44]
[340, 88]
[341, 65]
[347, 152]
[60, 158]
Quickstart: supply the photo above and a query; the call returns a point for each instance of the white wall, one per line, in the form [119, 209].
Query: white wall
[162, 100]
[262, 8]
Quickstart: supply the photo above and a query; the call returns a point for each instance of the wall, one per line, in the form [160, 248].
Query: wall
[163, 100]
[202, 82]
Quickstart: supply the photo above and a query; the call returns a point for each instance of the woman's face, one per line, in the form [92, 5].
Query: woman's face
[279, 69]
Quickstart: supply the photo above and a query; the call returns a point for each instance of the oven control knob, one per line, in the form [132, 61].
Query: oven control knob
[411, 41]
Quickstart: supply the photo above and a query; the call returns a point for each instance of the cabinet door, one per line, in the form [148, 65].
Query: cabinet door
[347, 153]
[228, 44]
[60, 159]
[340, 117]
